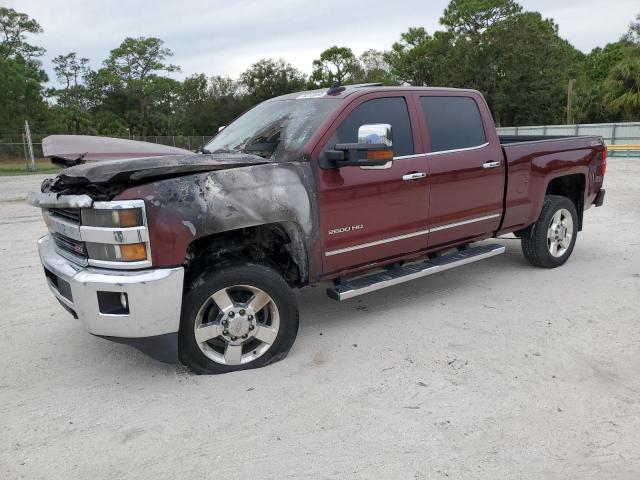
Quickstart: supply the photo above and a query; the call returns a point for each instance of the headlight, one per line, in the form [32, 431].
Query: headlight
[116, 235]
[116, 218]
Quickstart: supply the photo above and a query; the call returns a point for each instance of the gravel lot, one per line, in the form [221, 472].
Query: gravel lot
[494, 370]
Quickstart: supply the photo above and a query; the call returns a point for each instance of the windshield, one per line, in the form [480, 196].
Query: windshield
[276, 129]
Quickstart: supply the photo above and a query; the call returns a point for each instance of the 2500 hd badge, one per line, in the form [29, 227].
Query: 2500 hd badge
[349, 228]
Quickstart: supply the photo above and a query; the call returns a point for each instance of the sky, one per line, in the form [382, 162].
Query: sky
[226, 37]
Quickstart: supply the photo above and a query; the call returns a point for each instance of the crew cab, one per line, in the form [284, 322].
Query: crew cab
[193, 257]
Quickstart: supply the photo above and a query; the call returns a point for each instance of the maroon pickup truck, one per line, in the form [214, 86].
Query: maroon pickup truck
[194, 257]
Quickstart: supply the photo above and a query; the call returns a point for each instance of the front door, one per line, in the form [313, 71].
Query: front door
[466, 167]
[369, 214]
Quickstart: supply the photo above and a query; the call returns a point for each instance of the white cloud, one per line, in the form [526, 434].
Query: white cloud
[222, 37]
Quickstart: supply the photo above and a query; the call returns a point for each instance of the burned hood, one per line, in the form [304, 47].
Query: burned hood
[133, 171]
[68, 150]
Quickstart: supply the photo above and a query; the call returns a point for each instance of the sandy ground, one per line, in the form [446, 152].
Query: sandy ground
[494, 370]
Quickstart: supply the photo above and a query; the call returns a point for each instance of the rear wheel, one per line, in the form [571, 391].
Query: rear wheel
[237, 318]
[550, 241]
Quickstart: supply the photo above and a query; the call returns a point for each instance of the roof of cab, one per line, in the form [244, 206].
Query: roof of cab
[346, 90]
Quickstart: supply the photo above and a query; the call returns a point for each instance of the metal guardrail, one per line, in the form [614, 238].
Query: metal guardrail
[631, 149]
[620, 138]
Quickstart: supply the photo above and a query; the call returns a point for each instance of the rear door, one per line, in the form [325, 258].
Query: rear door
[369, 214]
[466, 166]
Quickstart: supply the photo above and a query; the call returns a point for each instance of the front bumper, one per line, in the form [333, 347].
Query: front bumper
[154, 297]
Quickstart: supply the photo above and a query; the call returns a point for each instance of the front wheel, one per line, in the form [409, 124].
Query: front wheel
[236, 318]
[550, 241]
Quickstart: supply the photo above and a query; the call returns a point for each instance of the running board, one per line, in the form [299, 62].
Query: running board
[370, 283]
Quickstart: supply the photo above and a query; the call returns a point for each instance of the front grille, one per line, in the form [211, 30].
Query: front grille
[70, 214]
[70, 245]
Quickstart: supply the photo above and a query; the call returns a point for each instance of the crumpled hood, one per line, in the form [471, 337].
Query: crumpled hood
[138, 170]
[68, 150]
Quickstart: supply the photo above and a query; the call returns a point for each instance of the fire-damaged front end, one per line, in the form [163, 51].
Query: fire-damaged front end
[124, 234]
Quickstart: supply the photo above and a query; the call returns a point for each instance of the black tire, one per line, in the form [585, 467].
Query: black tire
[535, 243]
[200, 289]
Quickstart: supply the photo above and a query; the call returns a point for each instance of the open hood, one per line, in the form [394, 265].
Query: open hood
[68, 150]
[113, 163]
[140, 170]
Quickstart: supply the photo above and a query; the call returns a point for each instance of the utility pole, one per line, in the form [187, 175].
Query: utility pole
[570, 102]
[27, 137]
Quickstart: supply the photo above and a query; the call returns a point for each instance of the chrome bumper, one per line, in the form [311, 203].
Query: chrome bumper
[154, 297]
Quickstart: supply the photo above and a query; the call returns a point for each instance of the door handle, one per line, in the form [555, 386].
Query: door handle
[414, 176]
[491, 164]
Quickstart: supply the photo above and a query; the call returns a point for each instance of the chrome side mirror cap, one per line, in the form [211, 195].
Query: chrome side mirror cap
[376, 133]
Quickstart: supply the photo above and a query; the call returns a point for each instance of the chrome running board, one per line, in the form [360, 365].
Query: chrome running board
[370, 283]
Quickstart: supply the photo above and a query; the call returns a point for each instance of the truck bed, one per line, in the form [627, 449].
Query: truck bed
[531, 160]
[507, 139]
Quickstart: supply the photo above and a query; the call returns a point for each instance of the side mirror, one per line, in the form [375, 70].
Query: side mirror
[374, 148]
[221, 127]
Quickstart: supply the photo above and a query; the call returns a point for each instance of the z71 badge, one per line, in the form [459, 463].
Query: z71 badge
[335, 231]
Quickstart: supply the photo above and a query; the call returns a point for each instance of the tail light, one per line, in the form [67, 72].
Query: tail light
[603, 165]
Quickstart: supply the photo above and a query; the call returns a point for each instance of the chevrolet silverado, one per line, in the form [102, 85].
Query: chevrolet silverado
[194, 257]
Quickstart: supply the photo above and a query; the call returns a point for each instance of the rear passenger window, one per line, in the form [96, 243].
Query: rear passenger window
[392, 110]
[453, 122]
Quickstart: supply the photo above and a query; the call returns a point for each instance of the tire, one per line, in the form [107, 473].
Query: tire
[260, 312]
[537, 244]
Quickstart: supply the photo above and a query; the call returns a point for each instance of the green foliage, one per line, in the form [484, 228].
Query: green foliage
[375, 68]
[623, 88]
[21, 94]
[532, 69]
[210, 103]
[336, 65]
[13, 29]
[472, 17]
[129, 84]
[268, 78]
[419, 58]
[514, 57]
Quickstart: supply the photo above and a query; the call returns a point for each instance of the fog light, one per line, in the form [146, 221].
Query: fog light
[113, 303]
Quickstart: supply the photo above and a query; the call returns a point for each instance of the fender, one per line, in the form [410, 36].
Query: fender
[186, 208]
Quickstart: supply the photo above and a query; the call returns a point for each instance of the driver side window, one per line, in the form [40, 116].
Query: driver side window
[391, 110]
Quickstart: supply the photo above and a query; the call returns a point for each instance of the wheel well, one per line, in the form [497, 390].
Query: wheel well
[271, 245]
[572, 187]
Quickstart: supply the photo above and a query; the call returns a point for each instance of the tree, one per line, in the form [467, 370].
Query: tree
[21, 74]
[209, 103]
[69, 69]
[336, 65]
[590, 88]
[418, 57]
[529, 67]
[13, 29]
[130, 75]
[623, 88]
[633, 34]
[72, 107]
[375, 68]
[268, 78]
[21, 94]
[473, 17]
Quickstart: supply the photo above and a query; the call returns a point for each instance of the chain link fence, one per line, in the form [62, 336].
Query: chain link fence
[14, 148]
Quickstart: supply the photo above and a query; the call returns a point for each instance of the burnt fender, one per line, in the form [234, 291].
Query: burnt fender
[183, 209]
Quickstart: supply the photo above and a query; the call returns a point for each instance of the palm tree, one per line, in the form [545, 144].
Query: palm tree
[623, 88]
